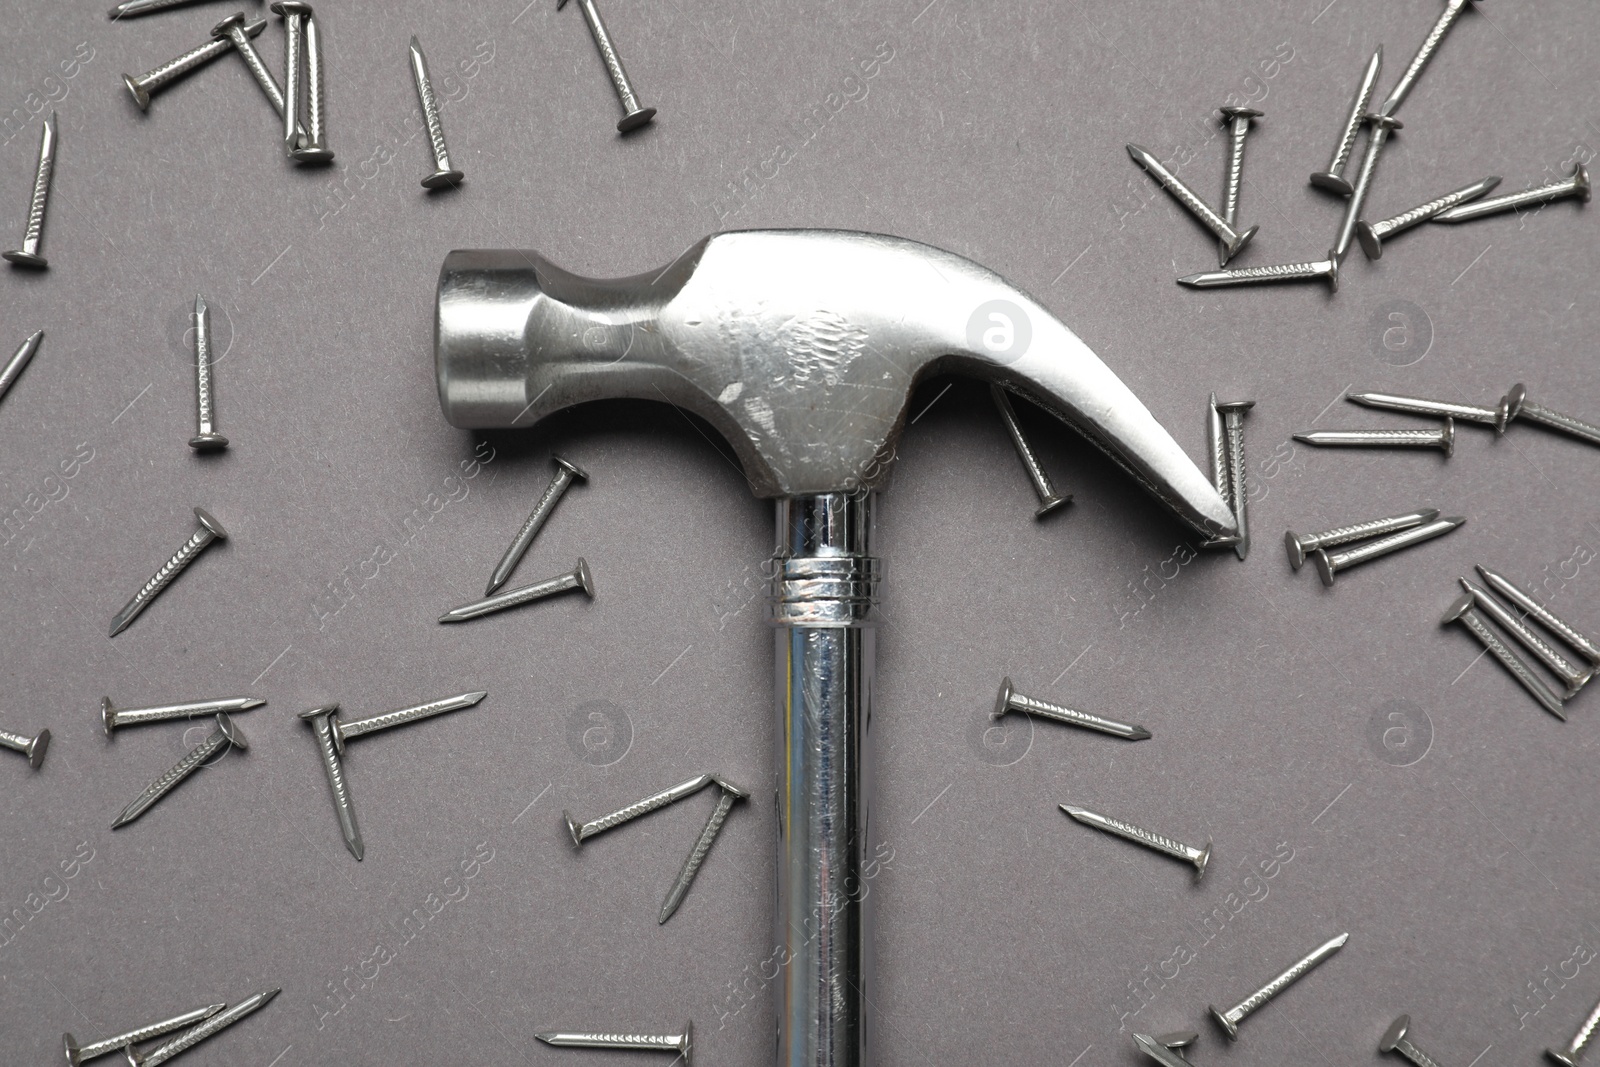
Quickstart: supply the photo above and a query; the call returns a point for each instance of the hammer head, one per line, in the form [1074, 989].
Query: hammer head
[802, 347]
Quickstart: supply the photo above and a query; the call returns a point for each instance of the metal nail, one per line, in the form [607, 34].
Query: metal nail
[315, 150]
[1573, 677]
[1590, 650]
[1165, 845]
[1157, 1049]
[24, 354]
[210, 530]
[444, 176]
[1233, 436]
[206, 438]
[729, 796]
[130, 8]
[1332, 179]
[1515, 404]
[1330, 564]
[633, 115]
[1379, 127]
[1230, 1019]
[321, 722]
[1573, 1053]
[225, 734]
[1178, 1039]
[344, 731]
[85, 1053]
[113, 719]
[193, 1036]
[153, 80]
[1394, 1040]
[577, 578]
[566, 473]
[293, 13]
[1418, 406]
[232, 28]
[1372, 234]
[1217, 441]
[32, 747]
[1430, 44]
[1237, 119]
[1232, 242]
[1008, 699]
[1461, 611]
[1043, 487]
[1576, 187]
[1298, 545]
[1443, 438]
[28, 255]
[682, 1044]
[1286, 272]
[581, 832]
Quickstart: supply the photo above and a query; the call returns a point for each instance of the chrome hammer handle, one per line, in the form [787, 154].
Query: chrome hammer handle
[824, 589]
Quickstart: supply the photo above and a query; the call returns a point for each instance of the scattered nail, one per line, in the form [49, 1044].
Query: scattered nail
[1043, 487]
[1009, 699]
[581, 832]
[28, 255]
[1165, 845]
[1332, 179]
[1372, 234]
[578, 578]
[1230, 1019]
[1232, 242]
[226, 734]
[1461, 611]
[730, 795]
[210, 530]
[1301, 544]
[114, 719]
[566, 474]
[1330, 564]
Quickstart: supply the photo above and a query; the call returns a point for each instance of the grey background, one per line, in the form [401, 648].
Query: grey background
[1007, 934]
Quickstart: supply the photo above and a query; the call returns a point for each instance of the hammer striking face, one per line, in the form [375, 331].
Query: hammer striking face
[803, 348]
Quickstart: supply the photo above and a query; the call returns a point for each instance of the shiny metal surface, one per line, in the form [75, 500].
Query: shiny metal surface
[1043, 487]
[1395, 1040]
[1378, 129]
[315, 149]
[1199, 857]
[130, 8]
[1516, 405]
[1462, 611]
[293, 13]
[1157, 1049]
[1575, 187]
[729, 795]
[28, 255]
[170, 71]
[232, 28]
[444, 176]
[19, 360]
[1237, 119]
[1232, 242]
[1333, 179]
[1008, 699]
[206, 438]
[1415, 405]
[1444, 438]
[1229, 1020]
[1430, 45]
[577, 578]
[76, 1054]
[320, 720]
[1283, 272]
[800, 346]
[1573, 1053]
[1239, 490]
[1572, 676]
[682, 1044]
[634, 114]
[824, 602]
[1217, 448]
[33, 748]
[1372, 234]
[226, 735]
[193, 1036]
[344, 731]
[1330, 564]
[210, 530]
[581, 832]
[1300, 544]
[113, 719]
[566, 473]
[1590, 650]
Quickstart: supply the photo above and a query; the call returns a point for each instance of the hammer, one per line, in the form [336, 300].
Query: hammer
[802, 347]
